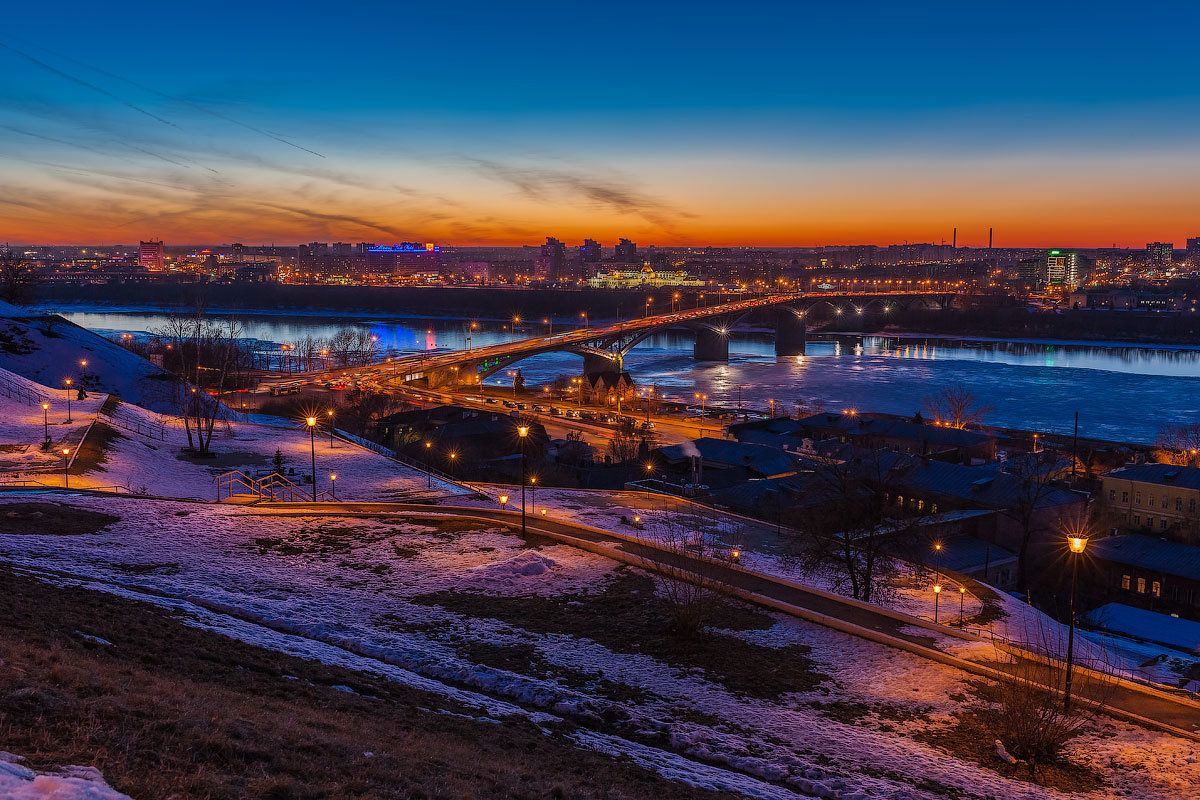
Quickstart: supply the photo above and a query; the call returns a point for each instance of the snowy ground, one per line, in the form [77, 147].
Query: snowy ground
[346, 591]
[18, 782]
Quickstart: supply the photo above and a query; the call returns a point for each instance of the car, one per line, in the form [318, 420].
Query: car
[555, 411]
[490, 400]
[509, 404]
[522, 406]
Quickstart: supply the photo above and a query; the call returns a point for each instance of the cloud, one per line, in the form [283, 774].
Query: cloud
[544, 184]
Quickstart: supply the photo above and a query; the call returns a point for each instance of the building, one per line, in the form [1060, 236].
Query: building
[1160, 254]
[150, 255]
[551, 264]
[873, 432]
[404, 259]
[1122, 299]
[1145, 572]
[626, 252]
[1193, 251]
[646, 276]
[1054, 269]
[1155, 499]
[590, 251]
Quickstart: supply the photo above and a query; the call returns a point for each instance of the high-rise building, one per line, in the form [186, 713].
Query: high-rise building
[1160, 254]
[589, 251]
[1062, 268]
[626, 252]
[150, 255]
[552, 260]
[407, 258]
[1193, 251]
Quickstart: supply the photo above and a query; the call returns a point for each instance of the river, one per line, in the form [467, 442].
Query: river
[1122, 392]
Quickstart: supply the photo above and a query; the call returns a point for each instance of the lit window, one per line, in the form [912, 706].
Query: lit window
[1125, 582]
[1141, 585]
[1156, 589]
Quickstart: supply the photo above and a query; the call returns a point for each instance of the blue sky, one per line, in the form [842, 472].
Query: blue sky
[774, 123]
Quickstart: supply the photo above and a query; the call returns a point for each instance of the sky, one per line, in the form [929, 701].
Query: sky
[752, 123]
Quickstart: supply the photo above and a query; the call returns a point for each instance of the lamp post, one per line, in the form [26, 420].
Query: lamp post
[428, 474]
[937, 593]
[333, 485]
[503, 501]
[649, 397]
[46, 420]
[533, 490]
[67, 391]
[312, 441]
[937, 560]
[66, 453]
[329, 414]
[772, 402]
[962, 598]
[470, 329]
[584, 315]
[523, 434]
[1076, 544]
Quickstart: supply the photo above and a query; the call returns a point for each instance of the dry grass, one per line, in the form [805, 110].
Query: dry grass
[51, 518]
[628, 617]
[170, 711]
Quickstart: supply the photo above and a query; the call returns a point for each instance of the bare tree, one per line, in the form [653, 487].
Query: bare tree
[17, 278]
[1030, 718]
[859, 519]
[624, 444]
[807, 407]
[1179, 444]
[692, 576]
[1033, 473]
[957, 407]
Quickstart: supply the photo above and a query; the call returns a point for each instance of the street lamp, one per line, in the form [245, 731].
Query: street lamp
[937, 593]
[329, 414]
[962, 598]
[67, 391]
[503, 501]
[533, 490]
[1076, 544]
[333, 485]
[523, 434]
[428, 474]
[937, 560]
[772, 402]
[584, 315]
[66, 451]
[46, 420]
[312, 441]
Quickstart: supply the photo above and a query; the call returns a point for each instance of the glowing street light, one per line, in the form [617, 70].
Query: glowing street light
[312, 441]
[329, 415]
[937, 555]
[937, 593]
[962, 598]
[333, 485]
[46, 420]
[523, 434]
[67, 390]
[66, 454]
[1076, 545]
[428, 474]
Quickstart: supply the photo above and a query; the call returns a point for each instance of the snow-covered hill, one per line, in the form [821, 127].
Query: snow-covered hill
[48, 349]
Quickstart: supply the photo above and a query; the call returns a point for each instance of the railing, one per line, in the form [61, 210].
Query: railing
[111, 409]
[273, 487]
[419, 466]
[10, 388]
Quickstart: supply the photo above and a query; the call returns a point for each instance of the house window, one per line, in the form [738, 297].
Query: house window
[1162, 524]
[920, 505]
[900, 500]
[1150, 501]
[1141, 585]
[1124, 497]
[1137, 519]
[1192, 505]
[1175, 593]
[1112, 495]
[1149, 522]
[1137, 498]
[1156, 589]
[933, 508]
[1179, 504]
[1165, 498]
[1125, 582]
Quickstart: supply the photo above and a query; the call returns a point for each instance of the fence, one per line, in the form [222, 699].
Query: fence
[419, 466]
[273, 487]
[20, 393]
[111, 408]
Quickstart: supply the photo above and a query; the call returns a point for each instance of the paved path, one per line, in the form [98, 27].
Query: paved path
[920, 636]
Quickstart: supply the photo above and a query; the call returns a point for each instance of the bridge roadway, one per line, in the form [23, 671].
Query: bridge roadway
[1176, 714]
[604, 347]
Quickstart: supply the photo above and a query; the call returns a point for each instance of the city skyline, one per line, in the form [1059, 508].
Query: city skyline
[780, 127]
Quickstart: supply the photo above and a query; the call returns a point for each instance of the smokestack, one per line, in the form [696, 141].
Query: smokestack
[989, 238]
[954, 241]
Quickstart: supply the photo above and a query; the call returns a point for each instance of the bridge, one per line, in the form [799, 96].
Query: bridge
[604, 348]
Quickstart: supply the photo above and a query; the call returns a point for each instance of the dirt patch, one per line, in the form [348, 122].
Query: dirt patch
[56, 519]
[972, 738]
[524, 659]
[856, 713]
[168, 710]
[628, 617]
[453, 526]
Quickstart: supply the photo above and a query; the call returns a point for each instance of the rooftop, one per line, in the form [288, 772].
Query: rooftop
[1156, 555]
[1163, 474]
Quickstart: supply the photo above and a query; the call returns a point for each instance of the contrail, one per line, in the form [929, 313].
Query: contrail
[82, 82]
[188, 103]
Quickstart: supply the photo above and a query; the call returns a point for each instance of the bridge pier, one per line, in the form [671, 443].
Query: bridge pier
[791, 333]
[711, 345]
